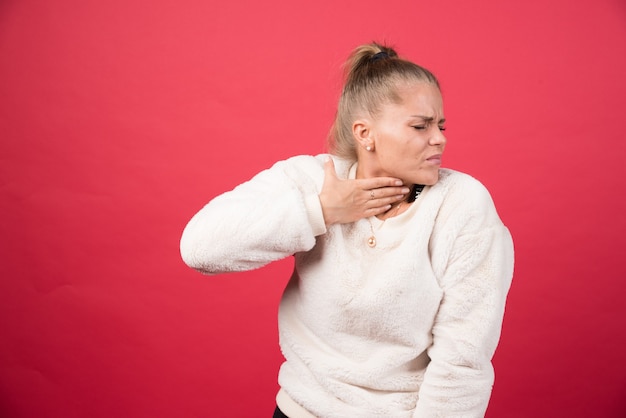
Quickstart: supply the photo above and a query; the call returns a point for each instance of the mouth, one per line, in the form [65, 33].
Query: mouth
[435, 159]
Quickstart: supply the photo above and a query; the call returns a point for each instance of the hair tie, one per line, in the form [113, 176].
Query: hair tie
[379, 56]
[416, 190]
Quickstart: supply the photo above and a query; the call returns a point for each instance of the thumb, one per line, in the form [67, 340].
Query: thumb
[329, 168]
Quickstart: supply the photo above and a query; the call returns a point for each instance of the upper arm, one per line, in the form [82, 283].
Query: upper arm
[269, 217]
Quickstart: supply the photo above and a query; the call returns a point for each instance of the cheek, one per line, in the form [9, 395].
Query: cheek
[418, 147]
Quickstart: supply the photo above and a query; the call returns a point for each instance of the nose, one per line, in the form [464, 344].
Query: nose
[438, 138]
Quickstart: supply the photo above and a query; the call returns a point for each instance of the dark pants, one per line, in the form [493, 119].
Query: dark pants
[279, 414]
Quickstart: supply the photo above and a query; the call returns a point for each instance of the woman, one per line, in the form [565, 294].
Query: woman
[401, 270]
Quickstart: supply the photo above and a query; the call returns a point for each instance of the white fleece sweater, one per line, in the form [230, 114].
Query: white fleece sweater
[405, 329]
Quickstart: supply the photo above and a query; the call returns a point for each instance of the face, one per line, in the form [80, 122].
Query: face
[406, 138]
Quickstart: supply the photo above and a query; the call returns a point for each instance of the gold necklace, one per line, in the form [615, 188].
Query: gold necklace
[371, 241]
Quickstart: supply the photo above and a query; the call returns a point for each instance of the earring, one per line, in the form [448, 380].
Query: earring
[368, 148]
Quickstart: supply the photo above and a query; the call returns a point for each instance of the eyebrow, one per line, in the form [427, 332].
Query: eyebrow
[428, 118]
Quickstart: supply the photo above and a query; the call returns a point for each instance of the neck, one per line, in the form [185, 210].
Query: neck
[394, 210]
[365, 170]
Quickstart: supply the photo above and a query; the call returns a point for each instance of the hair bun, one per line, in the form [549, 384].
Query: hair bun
[379, 56]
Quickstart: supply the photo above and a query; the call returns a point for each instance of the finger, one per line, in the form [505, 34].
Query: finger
[378, 182]
[386, 194]
[385, 201]
[378, 210]
[383, 205]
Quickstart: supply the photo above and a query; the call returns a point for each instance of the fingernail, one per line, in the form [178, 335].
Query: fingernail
[398, 182]
[405, 190]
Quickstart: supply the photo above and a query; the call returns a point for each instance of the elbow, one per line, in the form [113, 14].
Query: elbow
[187, 255]
[193, 261]
[189, 252]
[201, 255]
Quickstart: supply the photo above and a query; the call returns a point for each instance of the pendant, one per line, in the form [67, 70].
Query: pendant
[371, 241]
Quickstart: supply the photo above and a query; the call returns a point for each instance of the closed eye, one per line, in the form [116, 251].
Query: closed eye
[422, 127]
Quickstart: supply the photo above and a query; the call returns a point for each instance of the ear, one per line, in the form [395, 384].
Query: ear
[362, 133]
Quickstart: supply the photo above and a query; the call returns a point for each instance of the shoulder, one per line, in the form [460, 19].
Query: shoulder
[460, 187]
[313, 165]
[299, 166]
[303, 172]
[456, 181]
[463, 196]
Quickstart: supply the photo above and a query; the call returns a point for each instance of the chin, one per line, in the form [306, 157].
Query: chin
[428, 180]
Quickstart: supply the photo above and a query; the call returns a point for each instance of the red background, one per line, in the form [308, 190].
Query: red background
[120, 119]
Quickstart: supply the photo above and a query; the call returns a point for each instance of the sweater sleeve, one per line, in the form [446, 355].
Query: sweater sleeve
[473, 258]
[275, 214]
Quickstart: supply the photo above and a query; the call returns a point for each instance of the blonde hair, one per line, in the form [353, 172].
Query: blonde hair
[373, 76]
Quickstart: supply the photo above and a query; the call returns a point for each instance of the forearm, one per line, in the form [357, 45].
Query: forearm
[455, 390]
[459, 379]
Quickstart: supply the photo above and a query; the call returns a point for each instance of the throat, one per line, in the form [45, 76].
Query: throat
[395, 210]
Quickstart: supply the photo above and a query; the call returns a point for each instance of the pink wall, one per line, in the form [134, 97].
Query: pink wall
[119, 119]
